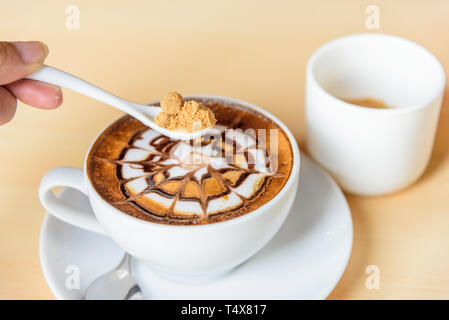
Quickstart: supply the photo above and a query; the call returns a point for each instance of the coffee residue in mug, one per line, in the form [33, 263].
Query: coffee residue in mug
[368, 103]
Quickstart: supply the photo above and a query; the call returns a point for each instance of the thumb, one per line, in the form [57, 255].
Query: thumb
[19, 59]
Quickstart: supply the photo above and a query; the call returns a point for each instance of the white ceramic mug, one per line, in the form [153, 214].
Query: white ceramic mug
[198, 251]
[373, 151]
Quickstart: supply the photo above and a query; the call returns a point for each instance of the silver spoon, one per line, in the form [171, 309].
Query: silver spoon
[143, 113]
[117, 284]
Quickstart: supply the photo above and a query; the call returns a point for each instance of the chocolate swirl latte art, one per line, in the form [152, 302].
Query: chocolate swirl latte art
[220, 176]
[193, 180]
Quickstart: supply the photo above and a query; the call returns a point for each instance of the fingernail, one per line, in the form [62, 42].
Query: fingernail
[31, 51]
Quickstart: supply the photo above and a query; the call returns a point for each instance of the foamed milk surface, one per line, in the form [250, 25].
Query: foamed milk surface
[179, 164]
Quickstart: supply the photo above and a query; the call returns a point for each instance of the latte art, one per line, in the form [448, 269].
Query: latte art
[234, 170]
[193, 180]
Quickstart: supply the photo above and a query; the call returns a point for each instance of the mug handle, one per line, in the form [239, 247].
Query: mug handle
[73, 178]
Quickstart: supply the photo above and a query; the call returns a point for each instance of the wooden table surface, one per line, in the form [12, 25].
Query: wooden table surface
[255, 51]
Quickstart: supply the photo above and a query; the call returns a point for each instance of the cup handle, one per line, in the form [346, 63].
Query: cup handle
[67, 177]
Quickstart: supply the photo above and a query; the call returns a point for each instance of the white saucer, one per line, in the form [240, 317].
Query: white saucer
[304, 260]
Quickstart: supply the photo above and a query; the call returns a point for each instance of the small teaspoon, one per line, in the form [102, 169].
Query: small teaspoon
[117, 284]
[141, 112]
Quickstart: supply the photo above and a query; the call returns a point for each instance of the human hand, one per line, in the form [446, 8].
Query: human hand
[17, 60]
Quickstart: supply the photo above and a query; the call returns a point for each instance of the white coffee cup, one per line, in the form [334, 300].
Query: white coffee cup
[373, 151]
[178, 251]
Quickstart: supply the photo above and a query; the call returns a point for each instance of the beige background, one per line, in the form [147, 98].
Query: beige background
[251, 50]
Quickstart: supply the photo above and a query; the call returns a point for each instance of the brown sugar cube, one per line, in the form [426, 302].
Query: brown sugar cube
[173, 123]
[197, 112]
[162, 120]
[205, 117]
[186, 116]
[208, 118]
[191, 107]
[172, 103]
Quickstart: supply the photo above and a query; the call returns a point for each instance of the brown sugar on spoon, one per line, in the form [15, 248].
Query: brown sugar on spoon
[180, 115]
